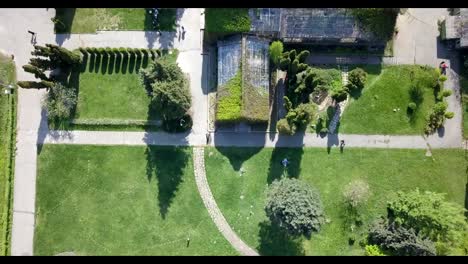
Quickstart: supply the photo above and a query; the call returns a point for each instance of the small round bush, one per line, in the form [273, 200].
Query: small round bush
[89, 49]
[123, 50]
[83, 50]
[442, 78]
[130, 51]
[412, 106]
[357, 78]
[449, 115]
[284, 127]
[446, 93]
[101, 50]
[276, 50]
[115, 50]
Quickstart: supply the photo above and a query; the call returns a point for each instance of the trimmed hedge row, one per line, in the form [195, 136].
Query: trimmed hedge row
[35, 85]
[154, 53]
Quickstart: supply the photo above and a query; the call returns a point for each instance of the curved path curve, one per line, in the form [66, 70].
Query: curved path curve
[212, 207]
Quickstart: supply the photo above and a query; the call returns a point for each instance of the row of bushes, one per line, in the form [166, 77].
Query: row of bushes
[154, 53]
[439, 113]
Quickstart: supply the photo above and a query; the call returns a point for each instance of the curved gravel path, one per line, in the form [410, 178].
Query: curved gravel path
[212, 207]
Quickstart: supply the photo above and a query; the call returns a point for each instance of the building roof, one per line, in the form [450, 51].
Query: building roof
[334, 25]
[463, 27]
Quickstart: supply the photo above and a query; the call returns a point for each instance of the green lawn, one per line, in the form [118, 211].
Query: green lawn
[7, 146]
[241, 196]
[89, 20]
[372, 111]
[112, 95]
[227, 20]
[109, 200]
[110, 91]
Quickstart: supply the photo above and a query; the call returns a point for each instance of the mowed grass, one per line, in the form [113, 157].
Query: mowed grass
[90, 20]
[110, 89]
[7, 149]
[372, 111]
[116, 200]
[239, 177]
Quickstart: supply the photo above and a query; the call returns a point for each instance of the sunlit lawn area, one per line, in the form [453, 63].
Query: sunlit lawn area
[238, 178]
[115, 200]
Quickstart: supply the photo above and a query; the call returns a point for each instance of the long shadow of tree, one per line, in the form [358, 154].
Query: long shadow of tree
[237, 156]
[167, 164]
[276, 242]
[294, 156]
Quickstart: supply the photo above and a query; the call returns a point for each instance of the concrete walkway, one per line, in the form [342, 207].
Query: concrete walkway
[212, 207]
[16, 40]
[244, 139]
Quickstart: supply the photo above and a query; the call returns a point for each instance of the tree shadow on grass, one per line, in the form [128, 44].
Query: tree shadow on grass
[124, 67]
[104, 63]
[97, 63]
[84, 64]
[138, 62]
[92, 60]
[167, 164]
[118, 62]
[276, 242]
[131, 63]
[293, 154]
[110, 67]
[237, 156]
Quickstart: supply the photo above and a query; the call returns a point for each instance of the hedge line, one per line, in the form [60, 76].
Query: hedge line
[154, 53]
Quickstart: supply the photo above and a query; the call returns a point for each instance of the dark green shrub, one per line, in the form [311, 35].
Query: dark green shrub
[130, 51]
[285, 128]
[449, 115]
[446, 93]
[284, 64]
[302, 115]
[115, 50]
[294, 206]
[412, 106]
[171, 96]
[399, 240]
[292, 55]
[416, 93]
[66, 56]
[294, 67]
[276, 51]
[101, 50]
[83, 50]
[123, 51]
[339, 94]
[144, 52]
[357, 79]
[89, 50]
[38, 73]
[303, 56]
[42, 64]
[35, 85]
[60, 102]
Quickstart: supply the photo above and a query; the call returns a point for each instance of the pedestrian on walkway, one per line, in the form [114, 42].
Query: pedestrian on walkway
[342, 144]
[443, 67]
[188, 241]
[183, 33]
[208, 138]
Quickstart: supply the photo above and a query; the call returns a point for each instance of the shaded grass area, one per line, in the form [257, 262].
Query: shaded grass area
[167, 19]
[121, 201]
[89, 20]
[372, 112]
[238, 180]
[7, 151]
[227, 20]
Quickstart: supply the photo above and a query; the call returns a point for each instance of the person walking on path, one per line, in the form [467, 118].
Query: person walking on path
[33, 37]
[443, 68]
[342, 144]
